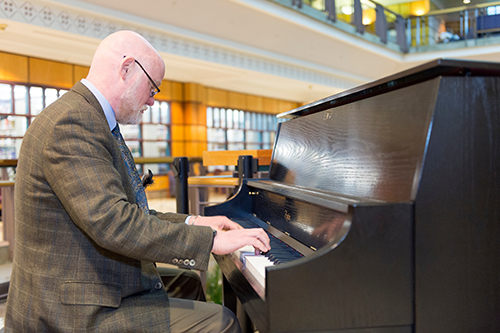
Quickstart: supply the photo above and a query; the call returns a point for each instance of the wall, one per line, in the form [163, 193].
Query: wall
[188, 100]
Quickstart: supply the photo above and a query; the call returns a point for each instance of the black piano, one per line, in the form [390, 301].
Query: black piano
[383, 208]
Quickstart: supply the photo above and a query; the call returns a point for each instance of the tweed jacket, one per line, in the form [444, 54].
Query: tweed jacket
[84, 251]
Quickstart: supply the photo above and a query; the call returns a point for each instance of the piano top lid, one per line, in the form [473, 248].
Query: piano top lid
[427, 71]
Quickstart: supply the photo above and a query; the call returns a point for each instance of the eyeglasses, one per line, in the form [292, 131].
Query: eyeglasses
[154, 92]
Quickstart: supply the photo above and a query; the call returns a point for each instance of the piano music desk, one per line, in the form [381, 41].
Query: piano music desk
[222, 158]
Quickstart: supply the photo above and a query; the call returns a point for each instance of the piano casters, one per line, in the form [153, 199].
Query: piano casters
[180, 168]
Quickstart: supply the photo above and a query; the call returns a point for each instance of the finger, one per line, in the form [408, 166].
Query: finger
[230, 225]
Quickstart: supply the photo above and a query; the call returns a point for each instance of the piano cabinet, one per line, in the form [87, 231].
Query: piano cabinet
[390, 194]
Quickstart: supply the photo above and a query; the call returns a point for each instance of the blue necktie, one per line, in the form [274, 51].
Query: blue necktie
[140, 194]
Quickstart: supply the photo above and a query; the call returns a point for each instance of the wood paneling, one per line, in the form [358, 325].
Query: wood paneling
[79, 72]
[216, 97]
[178, 149]
[13, 67]
[177, 113]
[230, 157]
[255, 103]
[270, 105]
[236, 101]
[194, 92]
[195, 114]
[165, 91]
[286, 106]
[178, 132]
[177, 91]
[50, 73]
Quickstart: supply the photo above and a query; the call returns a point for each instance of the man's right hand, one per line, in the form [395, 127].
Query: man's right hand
[231, 240]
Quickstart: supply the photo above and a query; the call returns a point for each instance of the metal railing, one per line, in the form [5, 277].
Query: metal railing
[430, 32]
[464, 23]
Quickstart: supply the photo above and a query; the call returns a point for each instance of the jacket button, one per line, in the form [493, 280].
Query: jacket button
[175, 261]
[192, 263]
[186, 262]
[158, 285]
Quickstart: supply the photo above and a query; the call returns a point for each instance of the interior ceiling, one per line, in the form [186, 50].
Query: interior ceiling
[255, 27]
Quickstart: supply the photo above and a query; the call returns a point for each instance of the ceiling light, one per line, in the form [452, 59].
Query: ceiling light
[346, 10]
[466, 2]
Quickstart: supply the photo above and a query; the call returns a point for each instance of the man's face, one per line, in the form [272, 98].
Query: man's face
[136, 100]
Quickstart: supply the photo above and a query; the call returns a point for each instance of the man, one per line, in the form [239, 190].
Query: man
[85, 239]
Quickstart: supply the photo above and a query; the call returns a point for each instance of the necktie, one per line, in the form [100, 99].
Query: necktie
[140, 194]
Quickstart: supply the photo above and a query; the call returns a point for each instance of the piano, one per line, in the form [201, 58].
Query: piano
[383, 209]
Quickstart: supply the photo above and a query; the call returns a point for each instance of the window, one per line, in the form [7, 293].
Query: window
[229, 129]
[20, 104]
[235, 129]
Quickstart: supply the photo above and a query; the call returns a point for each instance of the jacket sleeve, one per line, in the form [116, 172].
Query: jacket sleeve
[84, 168]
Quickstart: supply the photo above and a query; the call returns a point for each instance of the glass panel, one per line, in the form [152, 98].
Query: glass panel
[236, 146]
[161, 132]
[162, 148]
[18, 125]
[21, 99]
[260, 124]
[150, 149]
[135, 148]
[8, 148]
[216, 118]
[242, 119]
[221, 135]
[131, 132]
[222, 118]
[36, 100]
[254, 146]
[253, 124]
[211, 134]
[216, 146]
[5, 98]
[167, 135]
[253, 136]
[50, 96]
[229, 118]
[62, 92]
[272, 136]
[236, 118]
[146, 116]
[155, 113]
[266, 137]
[210, 119]
[165, 113]
[235, 135]
[150, 132]
[248, 120]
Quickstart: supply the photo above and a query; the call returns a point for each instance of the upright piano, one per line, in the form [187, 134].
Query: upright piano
[383, 209]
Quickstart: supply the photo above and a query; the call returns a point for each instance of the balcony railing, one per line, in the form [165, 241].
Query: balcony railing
[464, 26]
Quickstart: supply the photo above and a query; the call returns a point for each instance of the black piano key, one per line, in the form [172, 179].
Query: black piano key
[280, 252]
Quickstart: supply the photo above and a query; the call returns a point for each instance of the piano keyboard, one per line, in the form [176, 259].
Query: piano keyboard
[280, 253]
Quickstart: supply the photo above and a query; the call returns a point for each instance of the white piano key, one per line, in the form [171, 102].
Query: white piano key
[245, 251]
[256, 265]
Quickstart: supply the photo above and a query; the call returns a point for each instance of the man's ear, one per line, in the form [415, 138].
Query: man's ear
[125, 67]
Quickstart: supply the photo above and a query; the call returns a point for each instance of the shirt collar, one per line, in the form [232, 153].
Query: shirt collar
[106, 107]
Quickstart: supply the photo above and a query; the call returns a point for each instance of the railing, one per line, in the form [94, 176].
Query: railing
[460, 24]
[430, 32]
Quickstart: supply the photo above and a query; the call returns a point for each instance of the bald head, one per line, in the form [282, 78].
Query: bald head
[116, 74]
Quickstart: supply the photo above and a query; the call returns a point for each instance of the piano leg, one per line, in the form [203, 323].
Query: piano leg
[234, 304]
